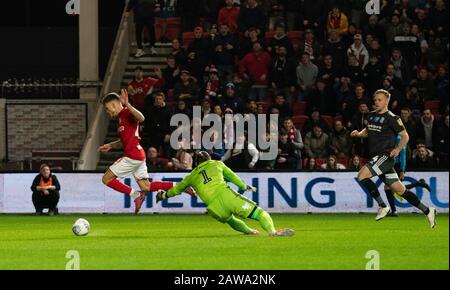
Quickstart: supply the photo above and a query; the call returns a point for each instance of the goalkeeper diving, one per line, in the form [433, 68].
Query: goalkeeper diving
[224, 204]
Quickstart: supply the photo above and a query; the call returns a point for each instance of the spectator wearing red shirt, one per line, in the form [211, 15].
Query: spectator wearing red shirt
[142, 86]
[212, 86]
[229, 15]
[255, 67]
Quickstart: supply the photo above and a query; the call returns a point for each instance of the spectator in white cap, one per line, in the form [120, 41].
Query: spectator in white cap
[212, 85]
[359, 51]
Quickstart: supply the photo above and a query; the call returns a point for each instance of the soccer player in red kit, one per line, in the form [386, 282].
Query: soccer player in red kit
[133, 161]
[142, 86]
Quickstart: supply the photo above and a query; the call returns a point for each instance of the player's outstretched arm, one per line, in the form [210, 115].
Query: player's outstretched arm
[137, 115]
[363, 134]
[233, 178]
[106, 147]
[174, 191]
[404, 139]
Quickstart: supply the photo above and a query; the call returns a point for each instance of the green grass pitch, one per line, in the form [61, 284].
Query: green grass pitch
[329, 241]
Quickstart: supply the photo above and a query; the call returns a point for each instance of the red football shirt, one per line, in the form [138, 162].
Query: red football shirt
[143, 88]
[129, 135]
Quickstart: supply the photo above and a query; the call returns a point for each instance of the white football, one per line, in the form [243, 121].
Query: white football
[81, 227]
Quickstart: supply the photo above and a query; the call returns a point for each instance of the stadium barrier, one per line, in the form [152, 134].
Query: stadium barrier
[294, 192]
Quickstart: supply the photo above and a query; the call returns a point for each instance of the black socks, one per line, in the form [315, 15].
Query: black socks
[372, 189]
[412, 185]
[409, 196]
[414, 200]
[391, 199]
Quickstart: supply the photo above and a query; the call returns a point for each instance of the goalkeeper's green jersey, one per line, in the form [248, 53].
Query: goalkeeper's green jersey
[208, 181]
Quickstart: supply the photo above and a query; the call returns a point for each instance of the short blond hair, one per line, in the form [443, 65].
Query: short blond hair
[384, 92]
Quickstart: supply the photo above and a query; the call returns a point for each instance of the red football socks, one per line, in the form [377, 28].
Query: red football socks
[157, 185]
[120, 187]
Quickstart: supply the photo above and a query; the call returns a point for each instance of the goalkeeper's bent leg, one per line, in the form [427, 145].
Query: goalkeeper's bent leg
[239, 225]
[264, 220]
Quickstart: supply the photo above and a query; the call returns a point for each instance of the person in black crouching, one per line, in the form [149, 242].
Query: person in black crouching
[45, 189]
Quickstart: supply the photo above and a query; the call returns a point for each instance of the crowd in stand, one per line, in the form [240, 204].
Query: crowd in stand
[315, 63]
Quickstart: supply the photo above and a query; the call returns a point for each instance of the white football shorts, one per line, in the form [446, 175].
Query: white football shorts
[126, 166]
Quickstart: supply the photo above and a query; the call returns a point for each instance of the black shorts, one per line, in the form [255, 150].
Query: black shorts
[383, 166]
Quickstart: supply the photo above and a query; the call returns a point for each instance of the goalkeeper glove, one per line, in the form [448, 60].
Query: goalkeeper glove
[250, 188]
[161, 195]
